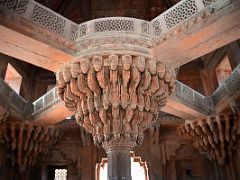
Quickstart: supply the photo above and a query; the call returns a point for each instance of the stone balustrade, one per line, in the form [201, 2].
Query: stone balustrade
[46, 101]
[43, 16]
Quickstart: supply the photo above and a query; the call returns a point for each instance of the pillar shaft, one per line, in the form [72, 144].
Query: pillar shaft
[119, 164]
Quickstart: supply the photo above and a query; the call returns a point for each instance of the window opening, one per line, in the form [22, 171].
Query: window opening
[60, 174]
[13, 78]
[189, 172]
[139, 170]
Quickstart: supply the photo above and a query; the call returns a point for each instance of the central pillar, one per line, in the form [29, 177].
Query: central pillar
[116, 97]
[119, 163]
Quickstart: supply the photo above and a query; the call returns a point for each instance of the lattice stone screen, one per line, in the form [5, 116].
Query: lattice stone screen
[50, 20]
[60, 174]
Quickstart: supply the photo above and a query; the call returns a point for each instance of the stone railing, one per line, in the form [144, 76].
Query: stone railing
[12, 102]
[43, 16]
[52, 21]
[229, 89]
[46, 101]
[181, 12]
[183, 94]
[190, 97]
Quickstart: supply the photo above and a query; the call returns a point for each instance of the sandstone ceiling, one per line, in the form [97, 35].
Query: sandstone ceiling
[82, 10]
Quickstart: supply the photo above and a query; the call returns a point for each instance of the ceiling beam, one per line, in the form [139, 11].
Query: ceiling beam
[63, 6]
[86, 9]
[200, 37]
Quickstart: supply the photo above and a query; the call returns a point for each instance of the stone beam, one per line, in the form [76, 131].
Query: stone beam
[14, 103]
[203, 27]
[228, 91]
[30, 50]
[215, 27]
[185, 102]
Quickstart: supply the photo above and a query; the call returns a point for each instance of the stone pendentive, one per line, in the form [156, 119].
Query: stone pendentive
[25, 142]
[216, 136]
[115, 97]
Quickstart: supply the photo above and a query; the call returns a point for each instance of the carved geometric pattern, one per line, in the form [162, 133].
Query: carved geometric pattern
[19, 6]
[48, 19]
[49, 97]
[145, 27]
[73, 31]
[232, 83]
[219, 94]
[180, 13]
[199, 100]
[114, 25]
[60, 174]
[82, 30]
[208, 2]
[38, 105]
[157, 28]
[188, 96]
[187, 93]
[46, 101]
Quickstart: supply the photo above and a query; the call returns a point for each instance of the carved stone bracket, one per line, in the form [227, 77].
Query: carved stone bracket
[215, 135]
[26, 141]
[115, 96]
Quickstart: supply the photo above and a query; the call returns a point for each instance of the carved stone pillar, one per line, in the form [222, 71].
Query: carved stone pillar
[119, 163]
[116, 87]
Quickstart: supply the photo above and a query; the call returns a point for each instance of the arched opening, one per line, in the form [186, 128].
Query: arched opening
[139, 170]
